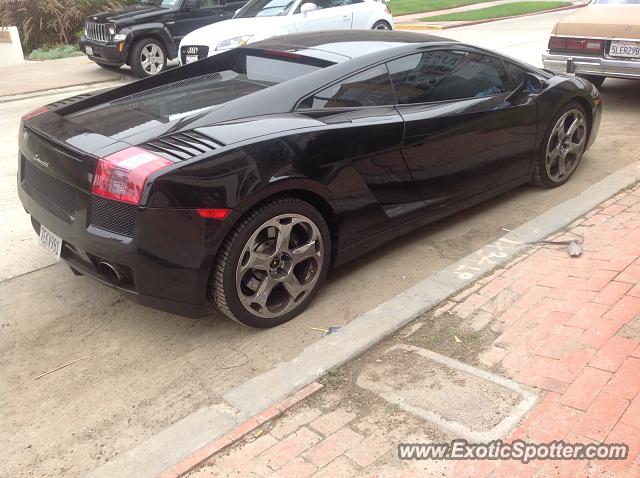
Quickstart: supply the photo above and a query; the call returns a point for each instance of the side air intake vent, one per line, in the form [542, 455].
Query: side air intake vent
[183, 146]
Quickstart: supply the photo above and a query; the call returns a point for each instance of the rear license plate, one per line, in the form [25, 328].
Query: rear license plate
[88, 50]
[50, 241]
[625, 49]
[191, 58]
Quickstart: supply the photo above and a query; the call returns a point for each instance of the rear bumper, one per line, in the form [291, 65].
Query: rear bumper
[114, 54]
[166, 263]
[591, 65]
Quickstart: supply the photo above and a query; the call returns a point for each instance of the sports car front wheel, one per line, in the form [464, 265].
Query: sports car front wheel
[565, 142]
[272, 264]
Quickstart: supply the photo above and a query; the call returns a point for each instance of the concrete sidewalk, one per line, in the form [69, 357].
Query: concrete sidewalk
[566, 328]
[36, 76]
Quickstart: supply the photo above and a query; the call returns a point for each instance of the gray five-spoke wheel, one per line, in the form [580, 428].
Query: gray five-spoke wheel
[152, 58]
[279, 265]
[381, 26]
[566, 145]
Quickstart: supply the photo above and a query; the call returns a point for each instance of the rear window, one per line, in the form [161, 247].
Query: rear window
[235, 74]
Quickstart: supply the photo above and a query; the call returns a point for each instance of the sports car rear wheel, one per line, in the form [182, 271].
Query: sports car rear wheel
[272, 263]
[565, 142]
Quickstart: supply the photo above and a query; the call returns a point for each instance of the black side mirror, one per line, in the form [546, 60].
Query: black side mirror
[531, 84]
[534, 84]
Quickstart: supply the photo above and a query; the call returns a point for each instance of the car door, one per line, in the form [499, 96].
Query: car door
[361, 12]
[328, 15]
[464, 134]
[361, 143]
[195, 14]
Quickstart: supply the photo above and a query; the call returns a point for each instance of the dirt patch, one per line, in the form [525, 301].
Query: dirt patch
[630, 330]
[452, 336]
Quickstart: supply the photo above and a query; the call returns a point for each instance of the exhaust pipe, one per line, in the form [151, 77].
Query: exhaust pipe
[110, 272]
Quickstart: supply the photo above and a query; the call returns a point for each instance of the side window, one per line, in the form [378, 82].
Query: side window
[447, 75]
[205, 4]
[369, 88]
[517, 74]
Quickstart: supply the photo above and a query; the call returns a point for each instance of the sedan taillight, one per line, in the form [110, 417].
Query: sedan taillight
[122, 175]
[576, 44]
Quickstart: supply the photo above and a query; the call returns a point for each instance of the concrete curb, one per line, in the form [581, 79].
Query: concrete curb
[443, 26]
[204, 427]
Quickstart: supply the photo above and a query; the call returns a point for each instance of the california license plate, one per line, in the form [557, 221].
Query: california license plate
[625, 49]
[88, 50]
[191, 58]
[50, 241]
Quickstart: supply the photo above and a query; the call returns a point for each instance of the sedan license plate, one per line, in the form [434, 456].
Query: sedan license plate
[625, 49]
[50, 241]
[191, 58]
[88, 50]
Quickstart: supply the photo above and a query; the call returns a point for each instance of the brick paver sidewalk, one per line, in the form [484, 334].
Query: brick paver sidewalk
[568, 327]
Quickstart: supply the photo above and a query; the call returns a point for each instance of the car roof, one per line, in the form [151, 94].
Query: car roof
[342, 45]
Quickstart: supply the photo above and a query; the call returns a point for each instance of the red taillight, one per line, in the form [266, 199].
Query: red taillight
[122, 175]
[576, 44]
[214, 213]
[386, 9]
[34, 113]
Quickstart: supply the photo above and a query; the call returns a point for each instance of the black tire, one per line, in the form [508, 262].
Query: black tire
[541, 176]
[222, 287]
[381, 25]
[596, 80]
[145, 46]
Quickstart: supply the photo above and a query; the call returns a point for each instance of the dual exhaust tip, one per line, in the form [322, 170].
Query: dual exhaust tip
[111, 272]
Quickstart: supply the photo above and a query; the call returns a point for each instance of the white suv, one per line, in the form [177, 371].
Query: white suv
[260, 19]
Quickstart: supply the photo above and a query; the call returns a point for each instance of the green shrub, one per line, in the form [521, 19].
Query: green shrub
[50, 22]
[55, 52]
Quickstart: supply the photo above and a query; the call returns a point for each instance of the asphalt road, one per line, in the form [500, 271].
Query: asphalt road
[148, 369]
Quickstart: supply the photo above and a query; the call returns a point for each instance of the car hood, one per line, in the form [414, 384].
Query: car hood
[611, 21]
[126, 14]
[213, 34]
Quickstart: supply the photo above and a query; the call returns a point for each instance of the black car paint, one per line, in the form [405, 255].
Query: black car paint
[365, 169]
[167, 25]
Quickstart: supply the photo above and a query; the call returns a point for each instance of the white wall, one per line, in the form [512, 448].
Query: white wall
[10, 49]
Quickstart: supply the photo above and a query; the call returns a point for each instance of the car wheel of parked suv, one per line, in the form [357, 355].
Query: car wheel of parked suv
[148, 57]
[272, 264]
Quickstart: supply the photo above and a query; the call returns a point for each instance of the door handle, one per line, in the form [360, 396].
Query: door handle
[346, 17]
[171, 23]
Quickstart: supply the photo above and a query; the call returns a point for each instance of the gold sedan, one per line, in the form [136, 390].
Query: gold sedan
[601, 40]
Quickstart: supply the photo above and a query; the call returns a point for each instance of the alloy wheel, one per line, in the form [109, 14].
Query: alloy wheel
[566, 145]
[152, 59]
[279, 265]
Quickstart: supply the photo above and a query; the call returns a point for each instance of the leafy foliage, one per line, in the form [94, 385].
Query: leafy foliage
[51, 22]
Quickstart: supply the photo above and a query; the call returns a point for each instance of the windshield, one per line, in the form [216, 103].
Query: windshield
[617, 2]
[265, 8]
